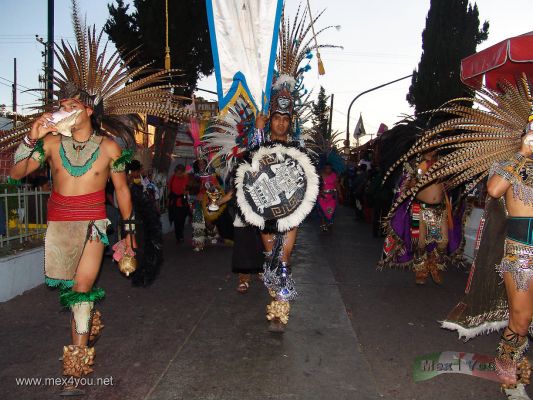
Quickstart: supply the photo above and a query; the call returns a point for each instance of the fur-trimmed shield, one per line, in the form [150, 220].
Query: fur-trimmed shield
[278, 189]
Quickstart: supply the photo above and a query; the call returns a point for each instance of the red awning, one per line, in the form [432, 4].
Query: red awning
[503, 61]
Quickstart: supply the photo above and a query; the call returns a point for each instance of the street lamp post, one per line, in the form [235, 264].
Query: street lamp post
[347, 141]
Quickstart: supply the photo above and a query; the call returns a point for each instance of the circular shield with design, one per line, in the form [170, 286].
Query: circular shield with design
[278, 188]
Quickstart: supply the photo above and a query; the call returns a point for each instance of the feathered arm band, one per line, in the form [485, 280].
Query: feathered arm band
[119, 165]
[30, 149]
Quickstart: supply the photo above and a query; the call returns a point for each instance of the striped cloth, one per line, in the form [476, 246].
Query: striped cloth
[86, 207]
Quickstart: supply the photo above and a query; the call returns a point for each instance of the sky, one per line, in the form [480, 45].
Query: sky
[381, 40]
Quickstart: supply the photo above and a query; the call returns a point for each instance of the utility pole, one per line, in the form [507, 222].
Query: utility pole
[42, 77]
[330, 116]
[14, 92]
[50, 54]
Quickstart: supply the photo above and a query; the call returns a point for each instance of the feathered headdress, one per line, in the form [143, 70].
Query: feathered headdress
[297, 41]
[231, 135]
[115, 91]
[325, 149]
[473, 138]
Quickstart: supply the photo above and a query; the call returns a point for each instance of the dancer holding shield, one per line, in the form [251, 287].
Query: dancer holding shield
[277, 186]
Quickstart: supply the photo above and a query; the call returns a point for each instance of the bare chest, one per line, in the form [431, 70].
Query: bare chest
[78, 170]
[432, 194]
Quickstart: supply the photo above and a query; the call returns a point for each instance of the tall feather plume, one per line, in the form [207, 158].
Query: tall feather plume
[80, 31]
[318, 143]
[473, 139]
[296, 44]
[120, 92]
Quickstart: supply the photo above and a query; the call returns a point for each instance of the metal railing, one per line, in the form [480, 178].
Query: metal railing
[24, 215]
[163, 199]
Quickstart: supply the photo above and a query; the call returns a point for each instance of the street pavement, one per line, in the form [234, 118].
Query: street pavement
[354, 331]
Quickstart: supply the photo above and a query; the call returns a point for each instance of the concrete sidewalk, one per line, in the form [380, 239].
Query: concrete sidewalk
[192, 336]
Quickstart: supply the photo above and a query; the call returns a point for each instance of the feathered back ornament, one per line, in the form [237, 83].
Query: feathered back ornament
[325, 149]
[229, 136]
[473, 138]
[117, 92]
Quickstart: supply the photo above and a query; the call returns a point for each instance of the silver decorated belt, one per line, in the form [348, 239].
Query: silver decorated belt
[519, 250]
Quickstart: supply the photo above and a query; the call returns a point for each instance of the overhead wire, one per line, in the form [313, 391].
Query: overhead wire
[27, 91]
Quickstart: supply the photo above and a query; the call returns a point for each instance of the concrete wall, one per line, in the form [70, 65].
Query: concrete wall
[25, 271]
[21, 272]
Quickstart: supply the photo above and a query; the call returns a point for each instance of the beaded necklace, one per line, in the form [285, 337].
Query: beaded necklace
[79, 157]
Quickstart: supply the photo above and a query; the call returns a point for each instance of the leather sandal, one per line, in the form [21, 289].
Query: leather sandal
[421, 277]
[244, 283]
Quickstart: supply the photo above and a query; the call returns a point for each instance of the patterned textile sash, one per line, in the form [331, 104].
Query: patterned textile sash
[86, 207]
[415, 220]
[520, 229]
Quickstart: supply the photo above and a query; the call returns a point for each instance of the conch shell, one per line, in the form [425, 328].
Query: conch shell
[64, 121]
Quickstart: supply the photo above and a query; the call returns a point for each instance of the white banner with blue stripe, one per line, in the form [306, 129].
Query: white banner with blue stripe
[244, 37]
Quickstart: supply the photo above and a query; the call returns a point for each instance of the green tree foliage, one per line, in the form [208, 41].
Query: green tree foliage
[144, 29]
[452, 33]
[320, 111]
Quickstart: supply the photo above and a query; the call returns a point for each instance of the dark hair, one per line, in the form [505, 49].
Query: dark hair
[282, 114]
[96, 119]
[196, 166]
[179, 167]
[134, 165]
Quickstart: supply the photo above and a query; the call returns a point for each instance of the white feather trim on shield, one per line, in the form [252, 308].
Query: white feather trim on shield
[274, 187]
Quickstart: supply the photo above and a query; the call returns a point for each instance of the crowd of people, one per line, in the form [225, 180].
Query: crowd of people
[362, 187]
